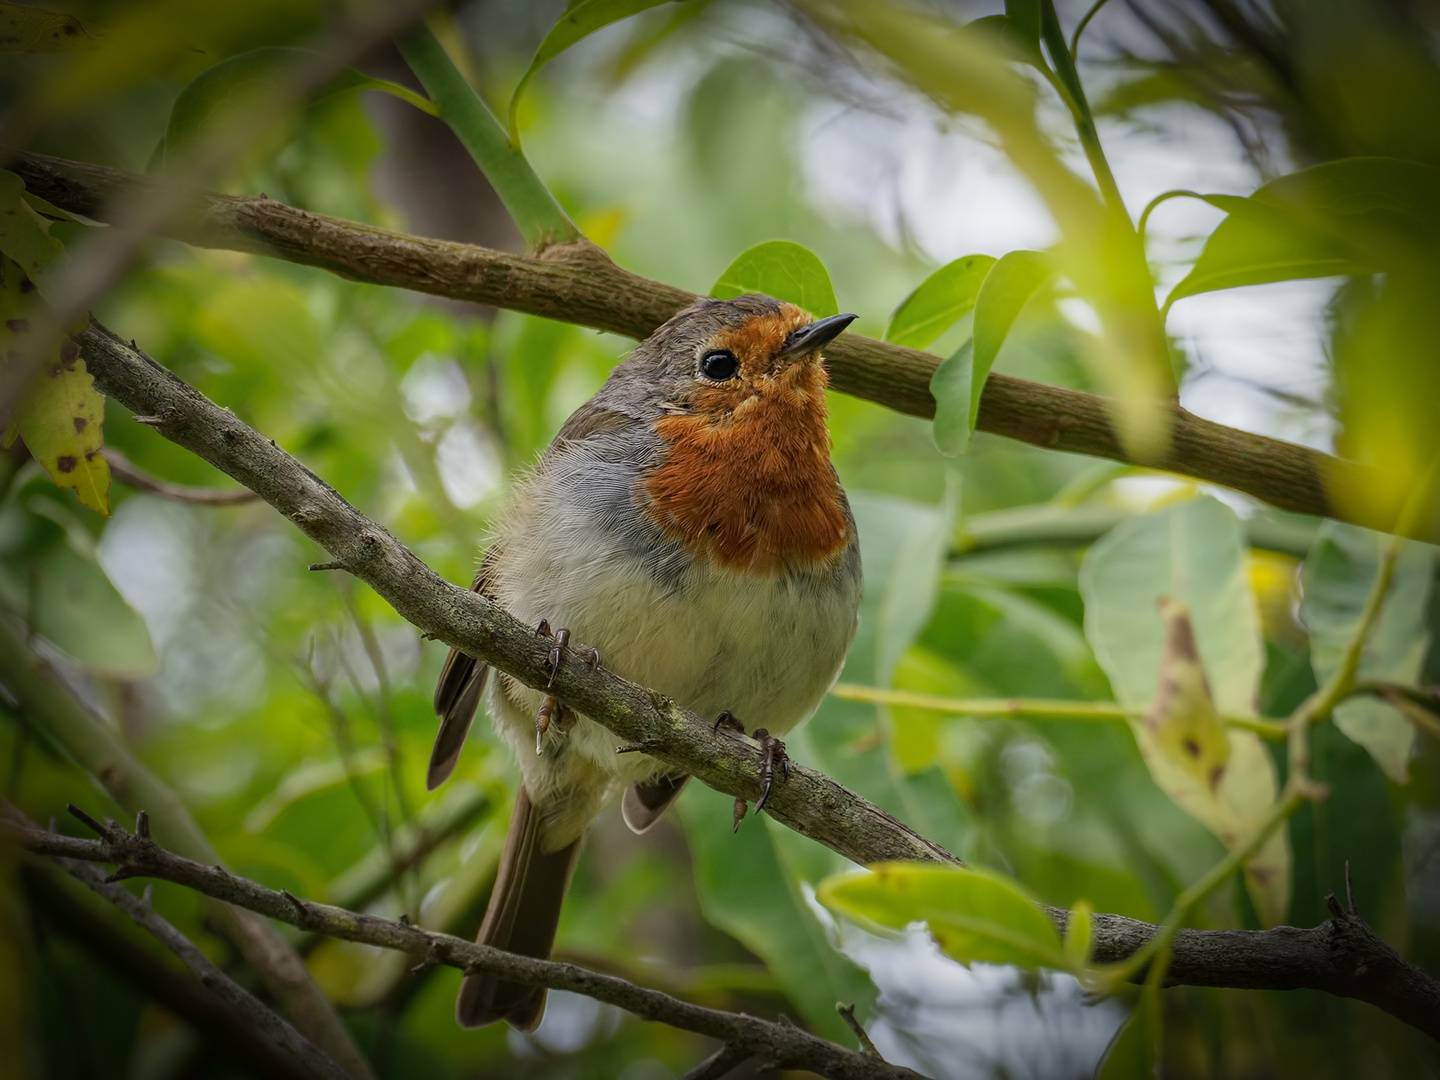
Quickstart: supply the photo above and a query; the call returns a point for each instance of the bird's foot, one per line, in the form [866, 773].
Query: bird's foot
[775, 758]
[557, 650]
[727, 721]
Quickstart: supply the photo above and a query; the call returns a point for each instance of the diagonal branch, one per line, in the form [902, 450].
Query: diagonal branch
[577, 282]
[138, 856]
[1342, 956]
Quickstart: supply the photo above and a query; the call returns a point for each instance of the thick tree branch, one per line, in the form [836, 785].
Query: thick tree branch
[780, 1042]
[578, 283]
[1341, 956]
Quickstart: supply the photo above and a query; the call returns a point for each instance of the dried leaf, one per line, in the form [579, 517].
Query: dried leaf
[1182, 716]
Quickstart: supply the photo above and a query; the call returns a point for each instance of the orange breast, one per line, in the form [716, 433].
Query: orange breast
[751, 487]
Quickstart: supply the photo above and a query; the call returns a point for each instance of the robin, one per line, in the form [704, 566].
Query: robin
[688, 527]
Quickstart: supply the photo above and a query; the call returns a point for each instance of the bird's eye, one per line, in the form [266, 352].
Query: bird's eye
[719, 364]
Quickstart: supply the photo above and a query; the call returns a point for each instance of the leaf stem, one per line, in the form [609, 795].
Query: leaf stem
[1280, 811]
[1073, 94]
[540, 218]
[1080, 27]
[1038, 708]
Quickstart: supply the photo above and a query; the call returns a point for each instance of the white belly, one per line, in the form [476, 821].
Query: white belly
[766, 649]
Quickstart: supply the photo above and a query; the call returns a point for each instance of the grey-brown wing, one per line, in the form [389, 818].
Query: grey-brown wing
[457, 696]
[645, 803]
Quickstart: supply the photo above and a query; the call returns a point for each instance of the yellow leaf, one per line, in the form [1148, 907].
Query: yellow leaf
[61, 417]
[60, 414]
[30, 29]
[1231, 810]
[1182, 714]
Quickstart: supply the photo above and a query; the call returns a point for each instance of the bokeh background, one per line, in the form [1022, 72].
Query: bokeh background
[291, 709]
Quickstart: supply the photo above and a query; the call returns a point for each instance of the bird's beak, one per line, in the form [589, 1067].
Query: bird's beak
[812, 338]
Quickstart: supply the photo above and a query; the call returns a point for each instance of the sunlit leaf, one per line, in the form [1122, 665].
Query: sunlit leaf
[1339, 574]
[580, 19]
[975, 914]
[26, 29]
[784, 270]
[1351, 216]
[938, 302]
[1193, 552]
[1079, 935]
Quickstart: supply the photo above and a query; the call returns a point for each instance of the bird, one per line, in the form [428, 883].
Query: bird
[687, 529]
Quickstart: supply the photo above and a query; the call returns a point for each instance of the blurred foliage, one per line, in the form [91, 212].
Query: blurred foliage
[291, 710]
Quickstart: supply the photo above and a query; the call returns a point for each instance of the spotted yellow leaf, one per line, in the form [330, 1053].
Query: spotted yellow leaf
[60, 414]
[1182, 715]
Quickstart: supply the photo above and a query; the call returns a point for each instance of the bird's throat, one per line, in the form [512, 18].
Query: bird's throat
[751, 486]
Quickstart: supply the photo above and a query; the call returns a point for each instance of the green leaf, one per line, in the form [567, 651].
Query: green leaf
[950, 386]
[1339, 574]
[580, 19]
[235, 84]
[938, 302]
[1192, 553]
[1351, 216]
[26, 29]
[976, 915]
[24, 234]
[958, 382]
[908, 598]
[1024, 24]
[1134, 1052]
[1080, 935]
[784, 270]
[78, 608]
[748, 887]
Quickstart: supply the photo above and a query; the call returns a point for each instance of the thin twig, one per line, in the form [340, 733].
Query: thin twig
[717, 1065]
[127, 472]
[847, 1013]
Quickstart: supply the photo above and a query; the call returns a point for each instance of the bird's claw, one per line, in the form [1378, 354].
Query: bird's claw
[727, 721]
[774, 758]
[550, 713]
[557, 653]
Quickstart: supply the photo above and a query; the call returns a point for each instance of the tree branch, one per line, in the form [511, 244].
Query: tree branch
[244, 1003]
[62, 910]
[1340, 957]
[101, 752]
[577, 282]
[137, 856]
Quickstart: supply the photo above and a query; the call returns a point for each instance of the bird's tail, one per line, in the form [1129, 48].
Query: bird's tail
[523, 914]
